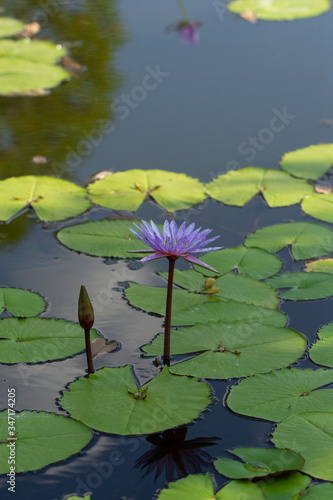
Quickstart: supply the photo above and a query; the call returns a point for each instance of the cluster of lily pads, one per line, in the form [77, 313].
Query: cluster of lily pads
[56, 199]
[28, 67]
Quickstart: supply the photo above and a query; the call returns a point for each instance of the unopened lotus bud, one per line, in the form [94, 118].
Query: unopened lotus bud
[212, 290]
[209, 282]
[86, 310]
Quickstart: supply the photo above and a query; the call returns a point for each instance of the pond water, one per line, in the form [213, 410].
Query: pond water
[176, 107]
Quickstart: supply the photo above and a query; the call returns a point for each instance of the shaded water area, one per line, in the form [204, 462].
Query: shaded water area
[146, 100]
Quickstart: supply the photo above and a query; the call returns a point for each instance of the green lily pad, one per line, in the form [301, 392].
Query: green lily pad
[161, 403]
[27, 66]
[321, 351]
[281, 10]
[279, 394]
[320, 266]
[86, 497]
[307, 239]
[41, 439]
[250, 262]
[52, 199]
[127, 190]
[33, 340]
[319, 492]
[105, 238]
[311, 435]
[231, 350]
[258, 462]
[289, 486]
[10, 26]
[200, 487]
[319, 206]
[308, 163]
[304, 286]
[278, 188]
[21, 303]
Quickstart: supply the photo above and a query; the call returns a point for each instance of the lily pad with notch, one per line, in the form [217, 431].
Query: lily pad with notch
[52, 199]
[311, 435]
[21, 303]
[279, 394]
[303, 286]
[278, 188]
[127, 190]
[321, 351]
[231, 350]
[40, 439]
[33, 340]
[258, 462]
[163, 402]
[307, 239]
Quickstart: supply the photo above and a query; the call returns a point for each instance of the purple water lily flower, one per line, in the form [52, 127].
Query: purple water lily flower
[175, 242]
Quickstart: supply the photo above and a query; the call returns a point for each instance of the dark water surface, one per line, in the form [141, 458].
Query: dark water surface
[208, 101]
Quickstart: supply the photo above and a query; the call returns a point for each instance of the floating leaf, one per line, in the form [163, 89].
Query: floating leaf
[10, 26]
[250, 262]
[320, 266]
[281, 10]
[319, 492]
[101, 346]
[278, 188]
[32, 340]
[52, 199]
[41, 439]
[311, 435]
[200, 487]
[321, 351]
[231, 350]
[21, 302]
[309, 163]
[105, 238]
[304, 286]
[127, 190]
[38, 51]
[319, 206]
[289, 486]
[307, 239]
[258, 462]
[162, 403]
[279, 394]
[86, 497]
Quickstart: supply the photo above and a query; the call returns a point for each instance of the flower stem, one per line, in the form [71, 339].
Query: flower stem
[88, 351]
[167, 326]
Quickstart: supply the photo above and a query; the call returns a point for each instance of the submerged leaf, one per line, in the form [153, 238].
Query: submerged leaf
[161, 403]
[41, 439]
[101, 346]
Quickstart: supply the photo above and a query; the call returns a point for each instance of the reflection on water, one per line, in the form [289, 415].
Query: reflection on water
[66, 125]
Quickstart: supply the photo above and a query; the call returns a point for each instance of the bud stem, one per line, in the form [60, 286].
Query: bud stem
[88, 351]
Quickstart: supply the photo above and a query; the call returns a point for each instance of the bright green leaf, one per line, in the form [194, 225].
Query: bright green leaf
[105, 238]
[285, 487]
[127, 190]
[21, 303]
[321, 351]
[162, 403]
[278, 188]
[304, 286]
[276, 395]
[10, 26]
[311, 162]
[52, 199]
[38, 51]
[311, 435]
[232, 350]
[307, 239]
[41, 439]
[258, 462]
[250, 262]
[319, 492]
[319, 206]
[281, 10]
[32, 340]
